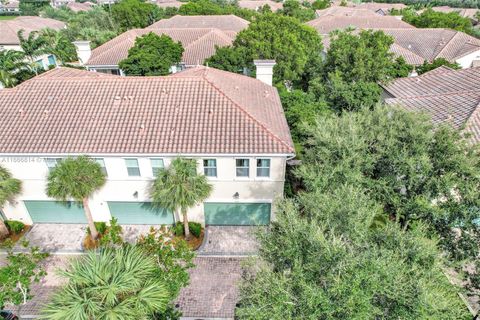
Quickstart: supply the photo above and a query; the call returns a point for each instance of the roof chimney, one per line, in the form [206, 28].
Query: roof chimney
[265, 70]
[83, 51]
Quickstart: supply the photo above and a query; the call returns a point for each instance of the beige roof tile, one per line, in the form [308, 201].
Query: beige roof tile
[198, 45]
[202, 110]
[257, 4]
[328, 23]
[345, 11]
[10, 28]
[449, 96]
[225, 22]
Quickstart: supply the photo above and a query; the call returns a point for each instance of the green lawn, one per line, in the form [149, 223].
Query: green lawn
[7, 17]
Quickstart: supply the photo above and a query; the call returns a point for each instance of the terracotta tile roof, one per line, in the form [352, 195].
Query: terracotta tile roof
[374, 6]
[198, 45]
[345, 11]
[79, 6]
[224, 23]
[449, 96]
[326, 24]
[419, 45]
[9, 28]
[202, 110]
[257, 4]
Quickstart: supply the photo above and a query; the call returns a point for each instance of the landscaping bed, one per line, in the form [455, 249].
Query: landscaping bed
[17, 231]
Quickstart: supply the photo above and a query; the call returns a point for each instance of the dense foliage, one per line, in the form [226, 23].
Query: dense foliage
[425, 67]
[152, 55]
[433, 19]
[132, 14]
[207, 7]
[295, 9]
[10, 187]
[434, 3]
[32, 7]
[384, 197]
[294, 46]
[20, 271]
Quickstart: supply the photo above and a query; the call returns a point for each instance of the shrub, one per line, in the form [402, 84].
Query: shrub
[195, 229]
[113, 234]
[100, 226]
[14, 226]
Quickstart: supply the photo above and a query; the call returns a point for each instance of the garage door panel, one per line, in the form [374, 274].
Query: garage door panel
[139, 213]
[237, 214]
[55, 211]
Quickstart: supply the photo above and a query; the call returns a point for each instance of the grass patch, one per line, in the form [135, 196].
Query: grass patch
[7, 17]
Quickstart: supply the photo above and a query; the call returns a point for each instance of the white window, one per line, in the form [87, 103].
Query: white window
[101, 162]
[243, 167]
[157, 165]
[52, 162]
[132, 167]
[263, 167]
[210, 167]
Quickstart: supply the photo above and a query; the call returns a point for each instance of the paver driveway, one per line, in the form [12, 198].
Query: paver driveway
[229, 240]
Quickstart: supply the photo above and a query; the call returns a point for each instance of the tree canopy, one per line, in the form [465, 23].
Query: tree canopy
[152, 55]
[131, 14]
[434, 19]
[425, 67]
[294, 46]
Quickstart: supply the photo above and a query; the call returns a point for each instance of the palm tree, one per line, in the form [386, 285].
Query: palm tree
[116, 283]
[77, 179]
[9, 188]
[11, 62]
[32, 46]
[180, 187]
[58, 45]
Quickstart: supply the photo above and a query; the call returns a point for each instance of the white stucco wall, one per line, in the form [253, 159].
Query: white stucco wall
[466, 61]
[32, 171]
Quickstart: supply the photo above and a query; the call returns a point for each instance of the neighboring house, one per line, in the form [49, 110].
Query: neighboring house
[448, 96]
[199, 35]
[380, 8]
[232, 125]
[330, 22]
[80, 6]
[59, 3]
[198, 44]
[10, 6]
[9, 34]
[346, 12]
[258, 4]
[419, 45]
[222, 22]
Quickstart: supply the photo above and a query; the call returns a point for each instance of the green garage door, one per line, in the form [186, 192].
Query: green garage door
[237, 214]
[139, 213]
[55, 212]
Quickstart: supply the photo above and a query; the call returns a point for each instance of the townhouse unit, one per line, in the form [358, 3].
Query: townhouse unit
[199, 36]
[233, 126]
[447, 96]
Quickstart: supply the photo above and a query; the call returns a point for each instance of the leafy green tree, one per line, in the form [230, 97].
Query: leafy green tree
[180, 187]
[294, 46]
[400, 68]
[320, 4]
[32, 46]
[152, 55]
[11, 63]
[115, 283]
[425, 67]
[208, 8]
[434, 19]
[293, 8]
[228, 59]
[78, 179]
[354, 65]
[18, 274]
[57, 44]
[325, 257]
[32, 7]
[9, 188]
[415, 173]
[132, 14]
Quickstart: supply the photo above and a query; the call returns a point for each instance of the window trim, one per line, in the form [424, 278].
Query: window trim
[138, 166]
[208, 167]
[269, 168]
[104, 167]
[236, 167]
[56, 159]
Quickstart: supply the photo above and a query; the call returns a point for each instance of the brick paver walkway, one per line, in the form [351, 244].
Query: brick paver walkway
[229, 241]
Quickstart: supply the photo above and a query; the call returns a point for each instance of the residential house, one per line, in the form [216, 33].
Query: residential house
[232, 125]
[9, 34]
[10, 6]
[199, 35]
[60, 3]
[80, 6]
[380, 8]
[258, 4]
[222, 22]
[360, 20]
[448, 96]
[345, 11]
